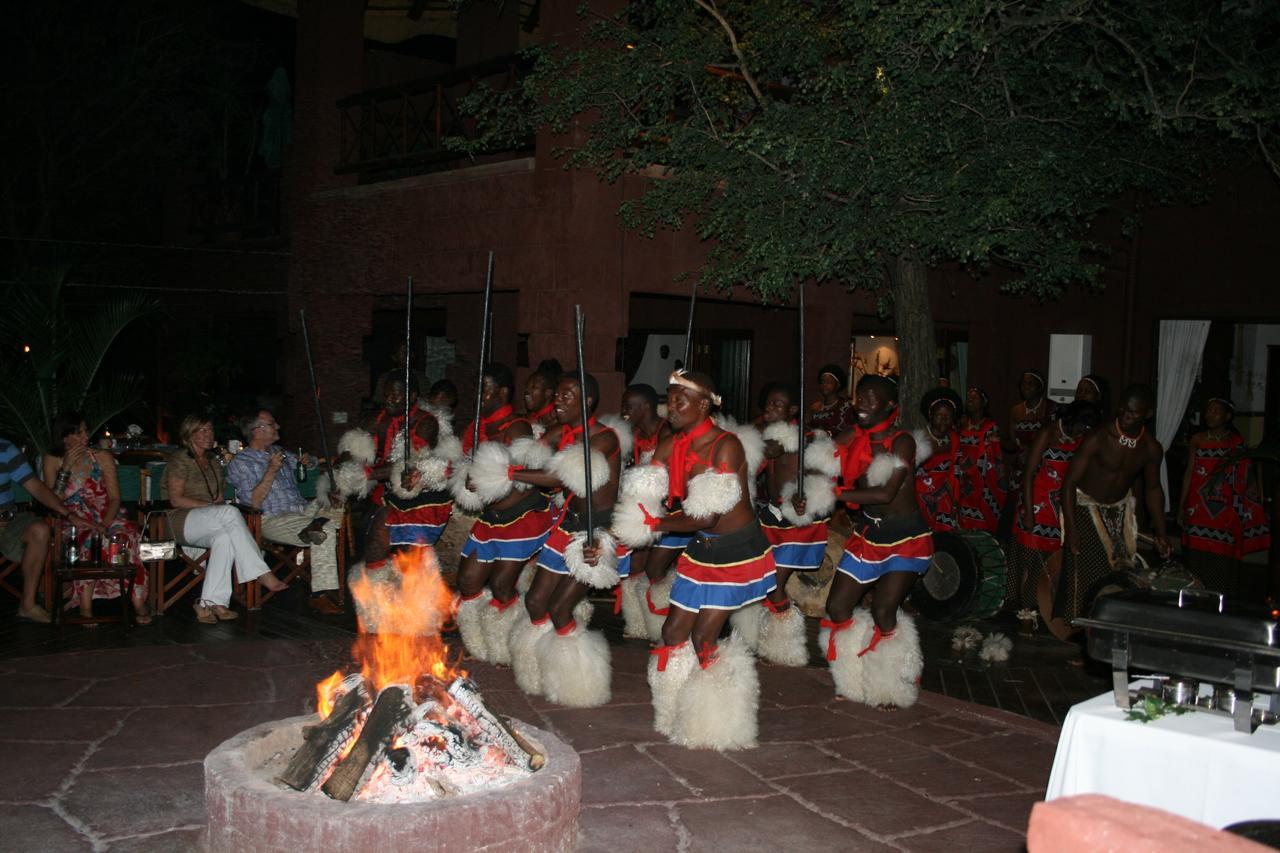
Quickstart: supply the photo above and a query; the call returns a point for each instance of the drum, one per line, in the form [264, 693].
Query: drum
[966, 578]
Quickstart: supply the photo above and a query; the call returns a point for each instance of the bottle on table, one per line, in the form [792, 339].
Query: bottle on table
[71, 549]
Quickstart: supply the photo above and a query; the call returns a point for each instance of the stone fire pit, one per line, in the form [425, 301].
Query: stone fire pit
[249, 811]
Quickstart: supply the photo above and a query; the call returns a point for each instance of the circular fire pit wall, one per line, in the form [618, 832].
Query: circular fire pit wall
[248, 810]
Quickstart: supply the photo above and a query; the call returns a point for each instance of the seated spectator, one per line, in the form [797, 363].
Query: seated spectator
[24, 539]
[263, 476]
[201, 518]
[86, 482]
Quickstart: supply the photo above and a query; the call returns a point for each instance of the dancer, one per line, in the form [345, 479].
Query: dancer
[1222, 513]
[552, 652]
[875, 655]
[539, 396]
[1098, 519]
[513, 526]
[640, 411]
[795, 527]
[705, 693]
[981, 466]
[1037, 534]
[937, 480]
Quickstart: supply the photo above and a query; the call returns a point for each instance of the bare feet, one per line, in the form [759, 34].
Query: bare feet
[271, 582]
[141, 612]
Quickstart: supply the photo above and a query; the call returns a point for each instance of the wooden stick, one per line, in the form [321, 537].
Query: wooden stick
[408, 340]
[579, 328]
[688, 335]
[800, 455]
[484, 348]
[315, 393]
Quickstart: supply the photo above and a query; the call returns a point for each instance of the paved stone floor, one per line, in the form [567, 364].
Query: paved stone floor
[102, 750]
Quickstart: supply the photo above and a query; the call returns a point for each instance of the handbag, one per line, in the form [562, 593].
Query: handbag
[155, 550]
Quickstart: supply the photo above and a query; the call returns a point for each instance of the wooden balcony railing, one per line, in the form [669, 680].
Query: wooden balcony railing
[400, 130]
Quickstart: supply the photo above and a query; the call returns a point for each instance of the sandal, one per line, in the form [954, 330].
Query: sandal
[204, 615]
[224, 614]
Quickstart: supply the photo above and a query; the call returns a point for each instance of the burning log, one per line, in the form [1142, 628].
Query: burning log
[323, 743]
[387, 720]
[519, 751]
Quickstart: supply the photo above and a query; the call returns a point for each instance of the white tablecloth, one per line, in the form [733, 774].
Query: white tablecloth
[1195, 765]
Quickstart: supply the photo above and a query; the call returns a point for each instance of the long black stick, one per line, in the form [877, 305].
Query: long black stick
[688, 335]
[408, 340]
[315, 394]
[579, 326]
[484, 348]
[800, 385]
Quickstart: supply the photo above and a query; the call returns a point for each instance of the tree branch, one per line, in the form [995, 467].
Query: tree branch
[710, 9]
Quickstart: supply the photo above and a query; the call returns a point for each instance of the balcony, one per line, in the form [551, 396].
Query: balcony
[399, 130]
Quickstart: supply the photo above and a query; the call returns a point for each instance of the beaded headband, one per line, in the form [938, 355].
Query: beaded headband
[678, 377]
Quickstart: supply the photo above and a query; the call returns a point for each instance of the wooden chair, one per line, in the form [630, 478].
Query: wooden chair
[293, 562]
[11, 572]
[172, 579]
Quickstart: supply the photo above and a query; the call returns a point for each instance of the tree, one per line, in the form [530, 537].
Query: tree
[52, 358]
[861, 143]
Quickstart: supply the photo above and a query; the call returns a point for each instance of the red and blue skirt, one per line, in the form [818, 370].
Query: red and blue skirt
[724, 572]
[551, 557]
[417, 521]
[513, 534]
[891, 545]
[799, 549]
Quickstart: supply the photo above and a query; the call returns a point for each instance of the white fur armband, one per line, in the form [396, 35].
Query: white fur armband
[359, 445]
[434, 473]
[622, 428]
[882, 468]
[566, 466]
[712, 493]
[448, 447]
[752, 444]
[531, 454]
[350, 480]
[641, 484]
[465, 498]
[787, 436]
[924, 446]
[490, 477]
[604, 574]
[539, 430]
[821, 455]
[819, 497]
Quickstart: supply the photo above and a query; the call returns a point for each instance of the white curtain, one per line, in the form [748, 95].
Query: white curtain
[1181, 345]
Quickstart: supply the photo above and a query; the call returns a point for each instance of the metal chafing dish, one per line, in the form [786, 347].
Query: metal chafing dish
[1191, 635]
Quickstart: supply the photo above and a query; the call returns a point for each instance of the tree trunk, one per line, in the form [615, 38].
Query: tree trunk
[913, 320]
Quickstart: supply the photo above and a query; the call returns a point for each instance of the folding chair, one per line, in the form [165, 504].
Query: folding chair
[292, 562]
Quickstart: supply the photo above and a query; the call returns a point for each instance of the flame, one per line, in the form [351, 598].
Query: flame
[324, 693]
[400, 641]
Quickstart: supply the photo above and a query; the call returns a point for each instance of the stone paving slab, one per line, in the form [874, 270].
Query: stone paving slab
[102, 751]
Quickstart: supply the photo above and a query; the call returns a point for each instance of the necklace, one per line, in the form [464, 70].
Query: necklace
[1215, 436]
[1063, 433]
[941, 442]
[1126, 441]
[1032, 411]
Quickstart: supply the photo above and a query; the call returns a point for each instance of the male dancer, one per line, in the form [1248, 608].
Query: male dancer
[875, 655]
[570, 664]
[539, 396]
[640, 410]
[1098, 521]
[799, 539]
[511, 529]
[705, 693]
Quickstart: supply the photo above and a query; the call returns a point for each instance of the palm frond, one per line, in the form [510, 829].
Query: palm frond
[91, 339]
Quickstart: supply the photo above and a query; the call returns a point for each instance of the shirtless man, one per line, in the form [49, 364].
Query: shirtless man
[705, 693]
[798, 538]
[640, 410]
[570, 665]
[512, 527]
[539, 396]
[1099, 524]
[875, 656]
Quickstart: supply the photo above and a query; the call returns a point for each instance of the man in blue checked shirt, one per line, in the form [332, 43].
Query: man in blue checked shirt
[262, 475]
[23, 538]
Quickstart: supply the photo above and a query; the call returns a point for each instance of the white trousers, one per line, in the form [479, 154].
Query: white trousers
[284, 527]
[222, 530]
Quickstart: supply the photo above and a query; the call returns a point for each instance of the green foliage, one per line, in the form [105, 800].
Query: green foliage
[1150, 708]
[820, 138]
[62, 369]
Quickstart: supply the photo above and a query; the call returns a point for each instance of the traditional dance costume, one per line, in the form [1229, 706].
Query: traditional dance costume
[1225, 519]
[1031, 549]
[938, 487]
[868, 665]
[1107, 535]
[981, 496]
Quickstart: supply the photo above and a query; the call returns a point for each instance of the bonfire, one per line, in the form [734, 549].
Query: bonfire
[410, 725]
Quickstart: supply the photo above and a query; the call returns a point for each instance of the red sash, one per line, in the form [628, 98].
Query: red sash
[499, 415]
